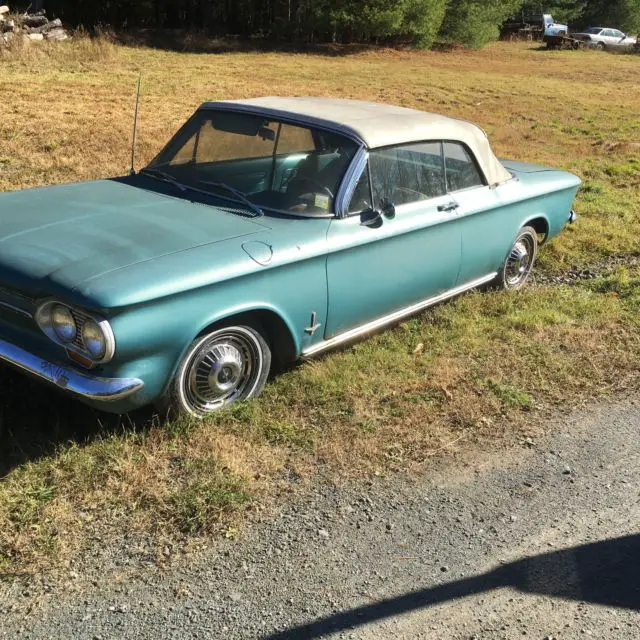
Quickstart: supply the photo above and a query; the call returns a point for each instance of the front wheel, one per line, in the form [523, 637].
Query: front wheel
[519, 263]
[227, 365]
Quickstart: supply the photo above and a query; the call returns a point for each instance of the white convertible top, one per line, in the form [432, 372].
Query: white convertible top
[378, 125]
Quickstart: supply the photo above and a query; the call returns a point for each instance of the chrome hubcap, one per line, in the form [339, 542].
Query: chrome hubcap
[221, 371]
[519, 262]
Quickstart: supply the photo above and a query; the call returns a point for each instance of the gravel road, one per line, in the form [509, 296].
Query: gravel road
[541, 543]
[573, 275]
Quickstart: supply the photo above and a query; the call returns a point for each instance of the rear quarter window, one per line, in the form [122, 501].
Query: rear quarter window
[462, 170]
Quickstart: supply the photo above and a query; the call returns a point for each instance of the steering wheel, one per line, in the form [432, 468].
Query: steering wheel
[315, 183]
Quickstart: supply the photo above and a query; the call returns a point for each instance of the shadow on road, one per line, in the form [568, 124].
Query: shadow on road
[605, 573]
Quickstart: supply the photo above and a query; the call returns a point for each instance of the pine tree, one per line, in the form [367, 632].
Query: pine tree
[620, 14]
[476, 22]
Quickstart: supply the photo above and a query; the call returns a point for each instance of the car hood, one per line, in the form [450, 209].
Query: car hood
[54, 238]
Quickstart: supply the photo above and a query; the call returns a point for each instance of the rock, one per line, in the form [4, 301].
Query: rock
[323, 533]
[36, 37]
[54, 24]
[45, 28]
[4, 9]
[37, 20]
[56, 35]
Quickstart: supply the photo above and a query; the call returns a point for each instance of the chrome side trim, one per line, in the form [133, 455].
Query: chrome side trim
[352, 334]
[82, 384]
[10, 307]
[349, 182]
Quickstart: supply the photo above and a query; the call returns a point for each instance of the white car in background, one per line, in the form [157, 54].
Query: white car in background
[603, 38]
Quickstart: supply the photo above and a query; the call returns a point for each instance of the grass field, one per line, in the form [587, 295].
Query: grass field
[484, 370]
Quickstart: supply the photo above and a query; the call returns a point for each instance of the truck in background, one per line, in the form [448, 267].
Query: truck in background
[534, 26]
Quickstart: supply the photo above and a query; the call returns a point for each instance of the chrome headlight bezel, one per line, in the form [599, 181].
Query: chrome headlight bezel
[44, 319]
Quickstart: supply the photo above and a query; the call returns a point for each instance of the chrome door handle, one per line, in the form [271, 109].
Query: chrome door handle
[452, 206]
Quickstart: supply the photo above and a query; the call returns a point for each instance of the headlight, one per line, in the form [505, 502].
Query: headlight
[78, 331]
[63, 323]
[94, 339]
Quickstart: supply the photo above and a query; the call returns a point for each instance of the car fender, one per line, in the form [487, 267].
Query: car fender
[221, 315]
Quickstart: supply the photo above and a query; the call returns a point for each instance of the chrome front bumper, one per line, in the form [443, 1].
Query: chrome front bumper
[82, 384]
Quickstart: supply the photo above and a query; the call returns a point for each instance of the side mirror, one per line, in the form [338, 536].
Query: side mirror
[388, 209]
[371, 218]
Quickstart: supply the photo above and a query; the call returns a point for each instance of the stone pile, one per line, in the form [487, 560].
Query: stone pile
[30, 26]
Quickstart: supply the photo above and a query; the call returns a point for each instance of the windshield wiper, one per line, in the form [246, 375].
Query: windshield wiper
[162, 175]
[167, 177]
[238, 194]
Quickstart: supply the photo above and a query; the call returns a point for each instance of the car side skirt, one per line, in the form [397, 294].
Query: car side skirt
[374, 325]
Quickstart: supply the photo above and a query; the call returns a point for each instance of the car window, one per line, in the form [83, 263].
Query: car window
[609, 33]
[276, 165]
[461, 168]
[294, 139]
[215, 145]
[407, 173]
[618, 34]
[593, 31]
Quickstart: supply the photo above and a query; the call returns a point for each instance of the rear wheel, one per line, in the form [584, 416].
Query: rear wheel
[519, 263]
[600, 46]
[227, 365]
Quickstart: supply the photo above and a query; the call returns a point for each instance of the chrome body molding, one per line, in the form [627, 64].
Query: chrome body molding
[350, 181]
[14, 309]
[81, 384]
[374, 325]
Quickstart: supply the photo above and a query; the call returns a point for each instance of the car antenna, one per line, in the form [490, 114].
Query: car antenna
[135, 129]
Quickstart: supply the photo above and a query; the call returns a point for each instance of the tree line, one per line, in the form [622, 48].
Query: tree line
[419, 22]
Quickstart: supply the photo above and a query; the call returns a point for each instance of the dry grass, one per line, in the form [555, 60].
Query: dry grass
[490, 366]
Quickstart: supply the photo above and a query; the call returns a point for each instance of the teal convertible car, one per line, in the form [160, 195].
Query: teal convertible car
[266, 230]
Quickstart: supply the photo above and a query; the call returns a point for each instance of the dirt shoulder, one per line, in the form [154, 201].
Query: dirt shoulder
[538, 543]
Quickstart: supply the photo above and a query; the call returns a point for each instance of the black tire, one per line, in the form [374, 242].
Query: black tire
[600, 46]
[229, 364]
[518, 264]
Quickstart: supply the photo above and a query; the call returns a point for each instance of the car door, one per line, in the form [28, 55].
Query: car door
[380, 265]
[618, 38]
[485, 225]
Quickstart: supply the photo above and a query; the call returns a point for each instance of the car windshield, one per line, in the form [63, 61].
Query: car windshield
[593, 30]
[245, 157]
